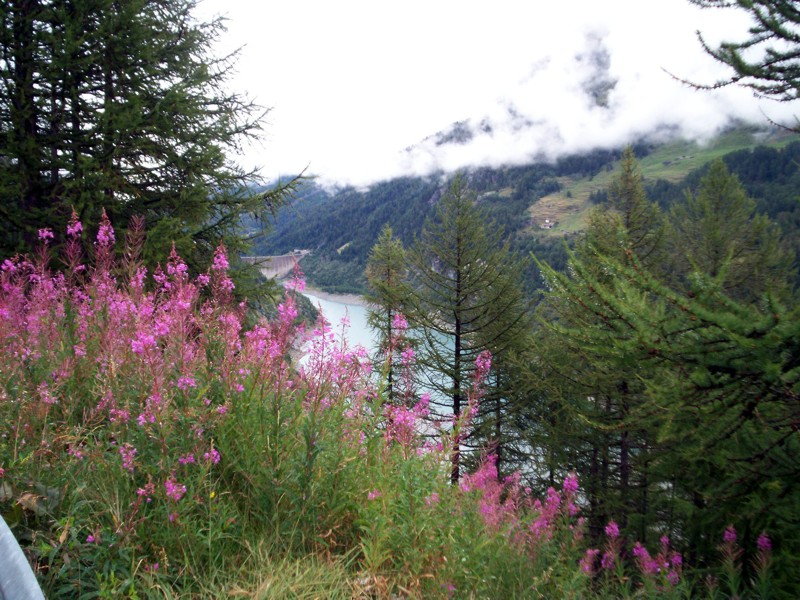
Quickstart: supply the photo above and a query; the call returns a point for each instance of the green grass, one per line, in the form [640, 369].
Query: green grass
[671, 162]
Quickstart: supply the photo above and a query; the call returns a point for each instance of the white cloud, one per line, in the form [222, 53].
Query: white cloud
[352, 83]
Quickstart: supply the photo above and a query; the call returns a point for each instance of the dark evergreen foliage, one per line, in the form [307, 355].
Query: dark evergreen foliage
[465, 297]
[774, 71]
[122, 106]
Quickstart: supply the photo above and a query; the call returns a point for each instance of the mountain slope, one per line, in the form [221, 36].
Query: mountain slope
[538, 205]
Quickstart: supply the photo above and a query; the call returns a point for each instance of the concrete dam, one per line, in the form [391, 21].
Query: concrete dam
[277, 266]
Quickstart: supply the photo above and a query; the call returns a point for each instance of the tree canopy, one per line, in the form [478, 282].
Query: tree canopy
[767, 60]
[122, 106]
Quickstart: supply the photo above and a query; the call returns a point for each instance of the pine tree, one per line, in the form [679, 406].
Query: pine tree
[121, 106]
[465, 299]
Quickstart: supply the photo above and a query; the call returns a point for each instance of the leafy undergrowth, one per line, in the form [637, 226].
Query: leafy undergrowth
[154, 446]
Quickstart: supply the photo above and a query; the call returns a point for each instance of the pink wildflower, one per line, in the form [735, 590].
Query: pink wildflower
[374, 494]
[90, 539]
[407, 356]
[607, 562]
[147, 491]
[220, 262]
[729, 537]
[46, 234]
[571, 483]
[105, 234]
[588, 560]
[128, 453]
[175, 490]
[186, 382]
[612, 530]
[399, 322]
[212, 456]
[74, 227]
[673, 577]
[483, 364]
[763, 542]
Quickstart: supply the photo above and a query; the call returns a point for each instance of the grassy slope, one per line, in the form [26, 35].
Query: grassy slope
[671, 162]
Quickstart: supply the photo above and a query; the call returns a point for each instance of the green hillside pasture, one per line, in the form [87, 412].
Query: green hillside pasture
[671, 162]
[674, 161]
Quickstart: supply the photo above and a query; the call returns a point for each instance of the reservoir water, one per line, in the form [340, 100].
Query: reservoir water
[358, 333]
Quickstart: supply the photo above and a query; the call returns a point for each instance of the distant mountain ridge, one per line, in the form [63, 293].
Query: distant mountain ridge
[538, 205]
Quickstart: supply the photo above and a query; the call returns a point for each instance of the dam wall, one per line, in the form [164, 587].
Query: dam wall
[276, 266]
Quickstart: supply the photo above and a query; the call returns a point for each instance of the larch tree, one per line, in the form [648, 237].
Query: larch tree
[387, 296]
[600, 394]
[716, 231]
[767, 60]
[465, 299]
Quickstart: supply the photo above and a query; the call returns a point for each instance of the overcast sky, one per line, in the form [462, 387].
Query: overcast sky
[357, 88]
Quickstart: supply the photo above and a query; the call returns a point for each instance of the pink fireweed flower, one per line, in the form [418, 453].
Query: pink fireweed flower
[222, 410]
[45, 395]
[186, 459]
[74, 227]
[295, 284]
[186, 382]
[212, 456]
[147, 491]
[46, 234]
[483, 364]
[220, 262]
[729, 537]
[588, 560]
[432, 499]
[673, 577]
[647, 565]
[175, 490]
[612, 530]
[407, 356]
[399, 322]
[571, 483]
[90, 539]
[142, 342]
[374, 494]
[764, 543]
[128, 453]
[607, 562]
[105, 234]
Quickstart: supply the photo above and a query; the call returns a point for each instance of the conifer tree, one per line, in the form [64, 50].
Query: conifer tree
[465, 299]
[388, 299]
[122, 106]
[767, 60]
[711, 386]
[717, 232]
[629, 222]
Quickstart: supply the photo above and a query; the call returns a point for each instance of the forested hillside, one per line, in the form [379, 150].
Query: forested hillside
[340, 226]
